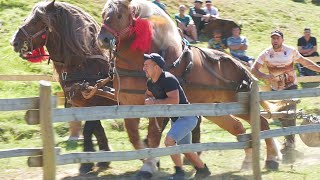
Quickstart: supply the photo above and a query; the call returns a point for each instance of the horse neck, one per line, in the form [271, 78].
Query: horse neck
[128, 58]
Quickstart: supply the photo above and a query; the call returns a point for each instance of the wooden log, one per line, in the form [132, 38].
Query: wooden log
[21, 104]
[309, 79]
[104, 156]
[123, 111]
[47, 135]
[26, 78]
[255, 129]
[22, 152]
[282, 132]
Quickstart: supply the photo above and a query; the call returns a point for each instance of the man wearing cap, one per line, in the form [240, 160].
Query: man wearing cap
[280, 59]
[307, 47]
[164, 88]
[198, 15]
[212, 12]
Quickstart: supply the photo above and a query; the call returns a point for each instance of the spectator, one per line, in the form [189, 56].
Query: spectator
[198, 15]
[211, 11]
[164, 88]
[238, 46]
[279, 59]
[186, 24]
[160, 4]
[307, 46]
[217, 42]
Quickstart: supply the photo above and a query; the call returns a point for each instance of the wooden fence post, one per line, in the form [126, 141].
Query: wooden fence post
[255, 128]
[45, 114]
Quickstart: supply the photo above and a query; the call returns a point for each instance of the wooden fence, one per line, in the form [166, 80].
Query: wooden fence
[41, 110]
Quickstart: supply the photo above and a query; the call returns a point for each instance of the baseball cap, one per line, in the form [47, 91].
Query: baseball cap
[156, 58]
[208, 2]
[198, 1]
[276, 33]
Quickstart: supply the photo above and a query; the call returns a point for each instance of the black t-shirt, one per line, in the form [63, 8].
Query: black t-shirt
[166, 83]
[197, 20]
[307, 44]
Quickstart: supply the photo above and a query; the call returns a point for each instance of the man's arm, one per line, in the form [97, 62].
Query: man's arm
[256, 71]
[173, 98]
[309, 64]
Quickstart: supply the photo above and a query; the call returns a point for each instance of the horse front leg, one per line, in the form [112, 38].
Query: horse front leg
[87, 145]
[150, 165]
[103, 143]
[132, 127]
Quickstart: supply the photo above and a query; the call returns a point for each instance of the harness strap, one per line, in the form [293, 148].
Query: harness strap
[132, 73]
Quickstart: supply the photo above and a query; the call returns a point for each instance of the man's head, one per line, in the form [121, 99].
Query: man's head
[236, 31]
[217, 35]
[307, 32]
[153, 64]
[277, 39]
[198, 4]
[182, 9]
[208, 4]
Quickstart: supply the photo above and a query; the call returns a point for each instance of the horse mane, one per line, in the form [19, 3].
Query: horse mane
[165, 32]
[72, 31]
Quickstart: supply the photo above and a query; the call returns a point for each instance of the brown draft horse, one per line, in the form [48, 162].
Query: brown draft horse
[69, 34]
[209, 76]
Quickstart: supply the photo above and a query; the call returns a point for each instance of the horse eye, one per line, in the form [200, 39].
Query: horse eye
[119, 16]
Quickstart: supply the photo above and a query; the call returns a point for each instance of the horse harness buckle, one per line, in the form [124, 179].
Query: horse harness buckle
[64, 76]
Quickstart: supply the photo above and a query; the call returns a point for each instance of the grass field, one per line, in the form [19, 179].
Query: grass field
[258, 19]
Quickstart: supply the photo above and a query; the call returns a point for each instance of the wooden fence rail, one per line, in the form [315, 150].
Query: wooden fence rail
[43, 112]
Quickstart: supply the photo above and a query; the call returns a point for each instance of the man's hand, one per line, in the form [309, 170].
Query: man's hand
[150, 101]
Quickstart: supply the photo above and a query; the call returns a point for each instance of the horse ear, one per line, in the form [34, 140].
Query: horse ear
[50, 6]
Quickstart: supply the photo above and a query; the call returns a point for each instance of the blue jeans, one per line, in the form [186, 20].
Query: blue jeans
[181, 129]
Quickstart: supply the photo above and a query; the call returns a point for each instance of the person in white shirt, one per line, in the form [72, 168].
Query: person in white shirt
[279, 60]
[211, 11]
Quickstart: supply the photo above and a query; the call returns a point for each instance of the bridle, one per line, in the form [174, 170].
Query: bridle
[118, 34]
[31, 37]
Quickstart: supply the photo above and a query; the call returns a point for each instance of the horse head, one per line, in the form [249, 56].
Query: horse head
[34, 33]
[118, 17]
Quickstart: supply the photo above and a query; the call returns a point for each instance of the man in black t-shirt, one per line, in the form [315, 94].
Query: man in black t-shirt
[307, 47]
[198, 15]
[164, 88]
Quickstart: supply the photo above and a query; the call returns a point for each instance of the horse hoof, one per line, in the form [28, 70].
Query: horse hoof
[85, 168]
[246, 166]
[272, 165]
[143, 175]
[103, 165]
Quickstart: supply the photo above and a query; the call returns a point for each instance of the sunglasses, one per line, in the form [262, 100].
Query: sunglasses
[217, 36]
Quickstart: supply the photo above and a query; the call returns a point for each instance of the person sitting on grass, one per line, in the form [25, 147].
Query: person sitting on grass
[307, 47]
[238, 45]
[217, 42]
[186, 24]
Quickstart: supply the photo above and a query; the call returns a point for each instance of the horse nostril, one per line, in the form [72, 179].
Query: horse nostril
[106, 40]
[14, 44]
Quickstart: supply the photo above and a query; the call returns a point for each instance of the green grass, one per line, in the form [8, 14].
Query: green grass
[257, 17]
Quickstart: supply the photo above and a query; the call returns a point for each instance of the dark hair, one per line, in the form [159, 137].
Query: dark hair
[307, 29]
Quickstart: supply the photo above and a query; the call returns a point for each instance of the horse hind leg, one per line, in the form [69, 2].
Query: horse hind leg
[273, 151]
[103, 143]
[87, 146]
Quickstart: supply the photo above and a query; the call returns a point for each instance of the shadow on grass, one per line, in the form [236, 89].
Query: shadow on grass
[70, 145]
[159, 176]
